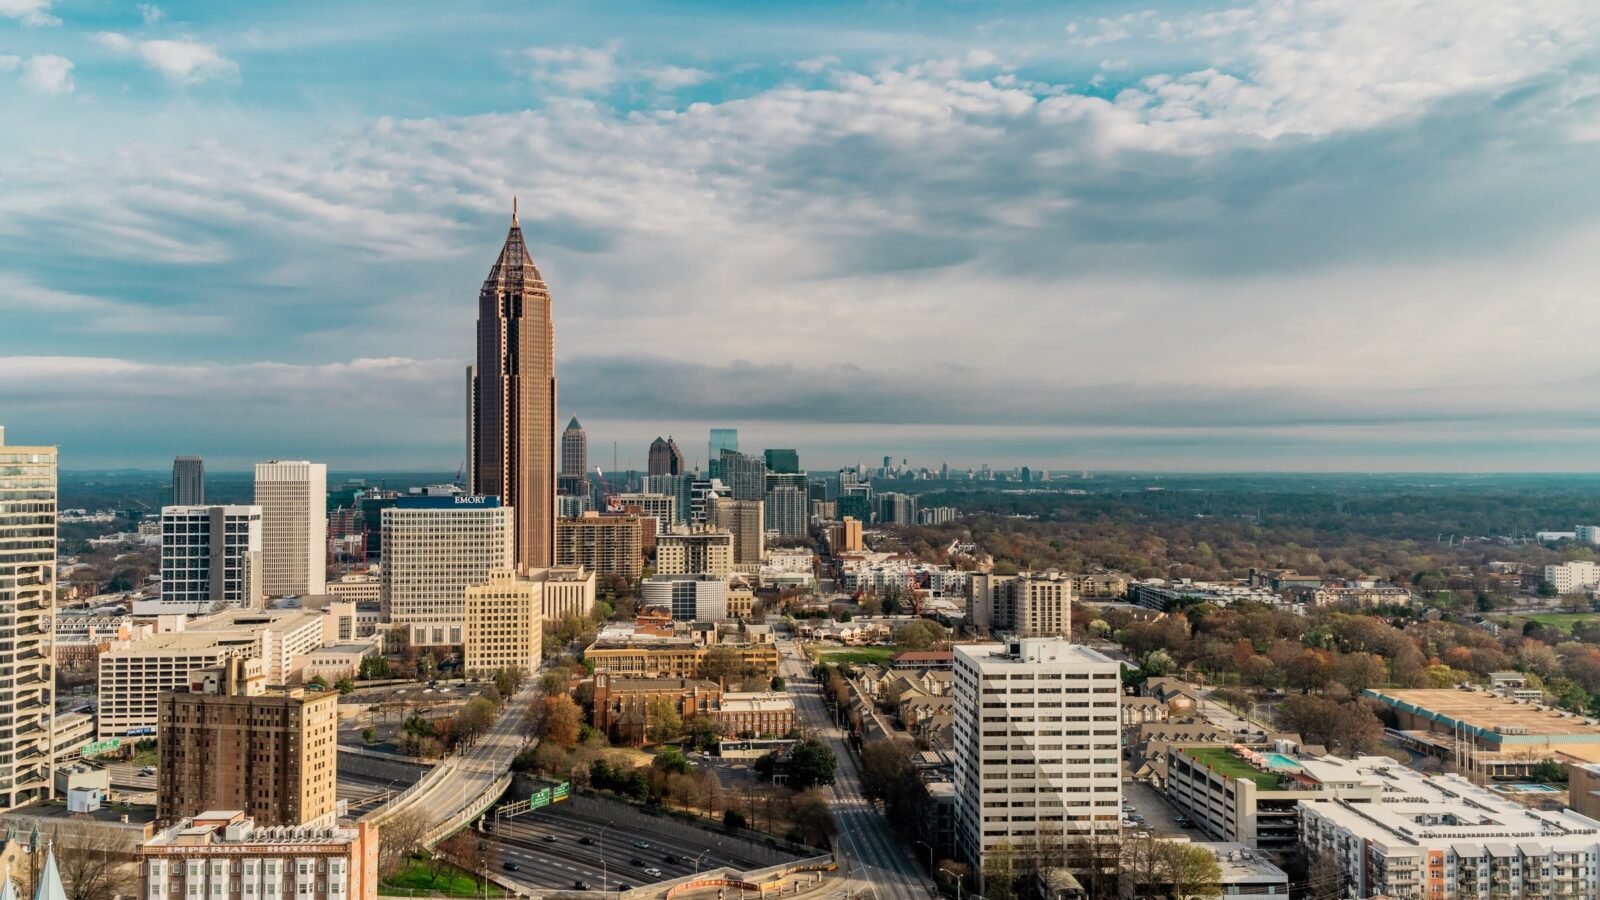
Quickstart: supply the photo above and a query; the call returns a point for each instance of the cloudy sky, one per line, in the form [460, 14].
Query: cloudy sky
[1308, 235]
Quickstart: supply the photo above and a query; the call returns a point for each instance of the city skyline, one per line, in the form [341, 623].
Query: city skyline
[1193, 238]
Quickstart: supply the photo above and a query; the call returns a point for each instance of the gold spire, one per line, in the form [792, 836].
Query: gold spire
[513, 210]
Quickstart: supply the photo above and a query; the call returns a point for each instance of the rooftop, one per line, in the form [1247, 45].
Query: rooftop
[756, 701]
[1491, 717]
[1033, 652]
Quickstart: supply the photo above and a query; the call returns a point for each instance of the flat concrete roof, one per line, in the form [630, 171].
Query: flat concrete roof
[1492, 717]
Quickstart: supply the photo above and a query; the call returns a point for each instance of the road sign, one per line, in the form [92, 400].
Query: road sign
[559, 792]
[539, 798]
[96, 748]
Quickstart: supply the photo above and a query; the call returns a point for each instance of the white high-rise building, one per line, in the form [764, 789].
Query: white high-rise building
[690, 598]
[656, 506]
[1037, 734]
[293, 496]
[27, 606]
[787, 512]
[210, 559]
[433, 547]
[1573, 577]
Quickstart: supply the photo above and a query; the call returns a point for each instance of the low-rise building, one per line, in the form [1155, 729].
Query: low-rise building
[691, 598]
[339, 660]
[1486, 731]
[358, 587]
[224, 855]
[623, 650]
[622, 705]
[756, 714]
[1442, 836]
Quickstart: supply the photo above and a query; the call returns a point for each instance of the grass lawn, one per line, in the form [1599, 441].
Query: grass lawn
[857, 656]
[146, 758]
[1561, 620]
[1225, 763]
[452, 882]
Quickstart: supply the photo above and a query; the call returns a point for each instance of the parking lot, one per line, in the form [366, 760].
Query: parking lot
[553, 848]
[1159, 816]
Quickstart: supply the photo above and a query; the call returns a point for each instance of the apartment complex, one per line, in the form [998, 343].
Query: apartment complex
[690, 598]
[224, 855]
[293, 496]
[660, 507]
[744, 520]
[788, 512]
[606, 545]
[1444, 837]
[433, 547]
[1037, 737]
[1025, 605]
[693, 550]
[210, 558]
[28, 504]
[504, 623]
[845, 537]
[229, 743]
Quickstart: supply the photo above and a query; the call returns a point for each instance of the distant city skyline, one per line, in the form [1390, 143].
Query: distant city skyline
[1213, 236]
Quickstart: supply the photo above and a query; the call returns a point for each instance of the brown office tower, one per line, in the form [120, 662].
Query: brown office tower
[511, 403]
[665, 457]
[228, 744]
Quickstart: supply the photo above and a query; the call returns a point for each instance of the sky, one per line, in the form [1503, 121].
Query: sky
[1306, 235]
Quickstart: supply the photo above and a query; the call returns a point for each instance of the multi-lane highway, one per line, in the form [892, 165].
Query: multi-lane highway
[548, 847]
[874, 861]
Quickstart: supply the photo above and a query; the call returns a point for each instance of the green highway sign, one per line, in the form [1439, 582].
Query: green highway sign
[95, 748]
[559, 792]
[539, 798]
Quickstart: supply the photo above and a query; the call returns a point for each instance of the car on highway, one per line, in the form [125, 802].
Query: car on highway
[582, 885]
[653, 872]
[550, 839]
[636, 861]
[510, 866]
[624, 886]
[671, 859]
[642, 845]
[148, 770]
[586, 841]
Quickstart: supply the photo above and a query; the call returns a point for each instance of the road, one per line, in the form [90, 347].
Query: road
[547, 847]
[874, 861]
[465, 776]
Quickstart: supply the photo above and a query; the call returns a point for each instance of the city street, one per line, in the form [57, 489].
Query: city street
[875, 863]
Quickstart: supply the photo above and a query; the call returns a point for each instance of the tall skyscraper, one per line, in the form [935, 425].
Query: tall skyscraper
[511, 404]
[745, 519]
[188, 481]
[293, 496]
[1017, 782]
[745, 476]
[666, 458]
[27, 607]
[228, 743]
[782, 460]
[210, 556]
[574, 450]
[721, 439]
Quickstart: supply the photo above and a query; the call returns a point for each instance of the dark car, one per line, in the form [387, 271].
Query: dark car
[671, 858]
[582, 885]
[586, 841]
[636, 861]
[510, 866]
[624, 886]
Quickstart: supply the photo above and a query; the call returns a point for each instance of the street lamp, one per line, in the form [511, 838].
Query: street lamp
[930, 854]
[605, 872]
[700, 857]
[958, 881]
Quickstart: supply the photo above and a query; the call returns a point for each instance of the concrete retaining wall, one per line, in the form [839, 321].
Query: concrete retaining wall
[379, 767]
[769, 851]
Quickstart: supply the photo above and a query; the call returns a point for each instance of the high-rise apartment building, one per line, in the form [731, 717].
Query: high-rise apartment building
[605, 545]
[701, 490]
[188, 481]
[782, 460]
[679, 488]
[1037, 739]
[745, 476]
[228, 743]
[505, 623]
[28, 504]
[1032, 604]
[690, 598]
[900, 509]
[666, 458]
[787, 512]
[511, 403]
[692, 550]
[293, 496]
[845, 537]
[745, 519]
[433, 547]
[210, 559]
[574, 450]
[721, 439]
[660, 507]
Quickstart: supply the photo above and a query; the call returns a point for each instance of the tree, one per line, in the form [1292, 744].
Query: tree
[663, 718]
[345, 685]
[320, 682]
[671, 759]
[369, 735]
[778, 683]
[559, 720]
[813, 820]
[1359, 671]
[1192, 871]
[704, 731]
[465, 851]
[374, 667]
[475, 718]
[1000, 872]
[399, 837]
[811, 763]
[508, 680]
[922, 634]
[721, 664]
[733, 820]
[92, 867]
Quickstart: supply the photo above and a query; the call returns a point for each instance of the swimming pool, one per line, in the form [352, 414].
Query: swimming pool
[1279, 761]
[1527, 788]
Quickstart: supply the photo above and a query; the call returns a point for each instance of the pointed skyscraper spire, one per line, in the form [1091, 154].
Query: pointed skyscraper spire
[514, 211]
[573, 425]
[50, 887]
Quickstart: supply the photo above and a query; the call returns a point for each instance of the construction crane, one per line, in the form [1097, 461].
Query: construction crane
[611, 504]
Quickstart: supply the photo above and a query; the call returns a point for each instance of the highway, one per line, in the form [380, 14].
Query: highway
[875, 863]
[546, 845]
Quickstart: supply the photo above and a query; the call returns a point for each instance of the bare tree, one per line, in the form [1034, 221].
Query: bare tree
[399, 837]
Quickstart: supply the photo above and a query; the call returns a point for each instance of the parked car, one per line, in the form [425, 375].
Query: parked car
[148, 770]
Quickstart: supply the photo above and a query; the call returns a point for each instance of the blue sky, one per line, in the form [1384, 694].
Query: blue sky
[1308, 235]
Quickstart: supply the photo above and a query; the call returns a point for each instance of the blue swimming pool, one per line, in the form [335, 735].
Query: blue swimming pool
[1279, 761]
[1528, 788]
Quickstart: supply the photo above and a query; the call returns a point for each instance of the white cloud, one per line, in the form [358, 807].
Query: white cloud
[46, 74]
[817, 64]
[671, 78]
[577, 69]
[29, 12]
[180, 60]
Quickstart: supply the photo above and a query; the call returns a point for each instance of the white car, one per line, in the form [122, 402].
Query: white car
[653, 872]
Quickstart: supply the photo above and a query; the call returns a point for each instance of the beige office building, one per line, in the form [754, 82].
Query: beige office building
[1026, 605]
[568, 591]
[505, 623]
[744, 520]
[693, 550]
[433, 547]
[293, 496]
[27, 604]
[606, 545]
[228, 743]
[661, 507]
